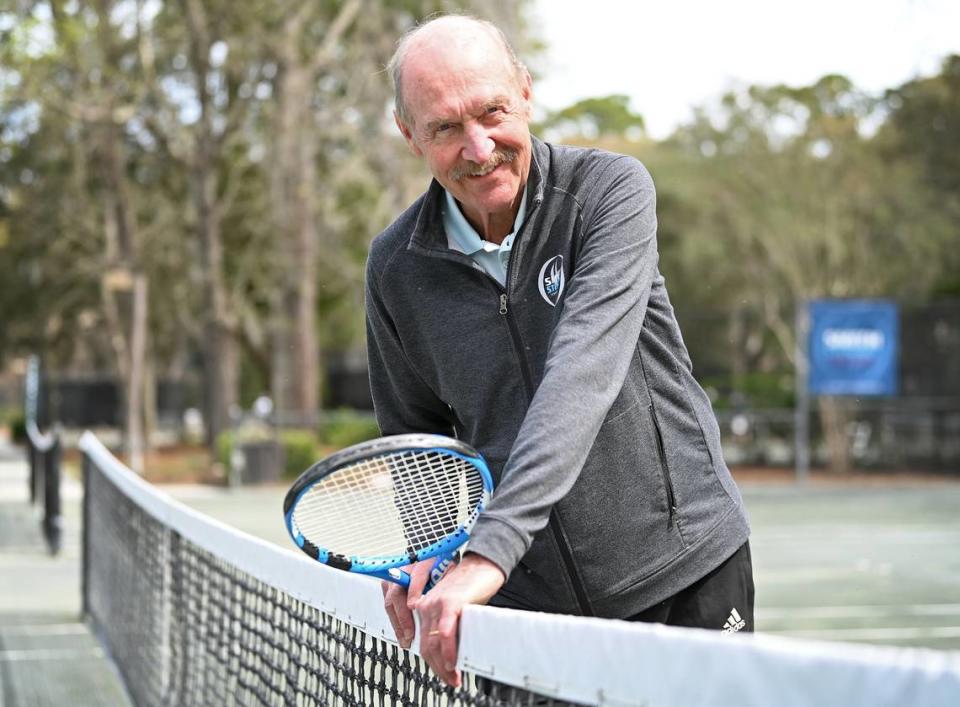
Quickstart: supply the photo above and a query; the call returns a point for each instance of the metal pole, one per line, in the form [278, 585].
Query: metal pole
[52, 519]
[32, 459]
[802, 405]
[85, 537]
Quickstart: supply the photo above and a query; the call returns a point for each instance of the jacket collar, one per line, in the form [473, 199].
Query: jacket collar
[428, 230]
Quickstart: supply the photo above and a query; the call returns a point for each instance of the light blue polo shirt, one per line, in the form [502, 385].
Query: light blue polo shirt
[461, 236]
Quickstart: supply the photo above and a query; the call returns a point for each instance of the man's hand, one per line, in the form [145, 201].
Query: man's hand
[399, 601]
[474, 581]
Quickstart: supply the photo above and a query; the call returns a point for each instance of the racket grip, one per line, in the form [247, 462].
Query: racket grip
[440, 567]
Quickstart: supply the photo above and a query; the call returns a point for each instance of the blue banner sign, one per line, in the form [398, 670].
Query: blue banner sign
[853, 347]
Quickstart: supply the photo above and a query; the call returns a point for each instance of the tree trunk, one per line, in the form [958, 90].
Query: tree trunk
[835, 419]
[149, 402]
[220, 360]
[125, 289]
[138, 350]
[295, 375]
[219, 345]
[736, 334]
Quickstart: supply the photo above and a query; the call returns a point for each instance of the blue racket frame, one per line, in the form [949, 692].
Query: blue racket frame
[388, 567]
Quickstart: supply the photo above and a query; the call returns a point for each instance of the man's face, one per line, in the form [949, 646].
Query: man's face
[470, 115]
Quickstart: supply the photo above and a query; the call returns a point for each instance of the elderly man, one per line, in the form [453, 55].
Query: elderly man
[517, 305]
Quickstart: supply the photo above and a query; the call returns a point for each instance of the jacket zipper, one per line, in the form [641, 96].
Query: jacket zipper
[559, 536]
[664, 471]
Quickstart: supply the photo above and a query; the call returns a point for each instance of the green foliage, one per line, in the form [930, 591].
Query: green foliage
[341, 428]
[925, 120]
[235, 154]
[596, 117]
[224, 445]
[755, 390]
[773, 194]
[924, 129]
[300, 451]
[300, 447]
[18, 429]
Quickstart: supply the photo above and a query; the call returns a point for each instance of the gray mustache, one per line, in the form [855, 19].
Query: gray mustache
[470, 169]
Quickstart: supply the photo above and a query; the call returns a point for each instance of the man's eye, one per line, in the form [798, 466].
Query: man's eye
[444, 127]
[494, 109]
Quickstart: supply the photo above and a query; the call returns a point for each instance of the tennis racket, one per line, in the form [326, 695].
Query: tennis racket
[379, 505]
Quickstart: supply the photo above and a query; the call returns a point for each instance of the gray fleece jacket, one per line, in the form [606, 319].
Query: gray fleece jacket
[573, 382]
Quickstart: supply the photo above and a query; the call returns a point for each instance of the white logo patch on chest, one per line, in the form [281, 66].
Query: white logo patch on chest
[552, 280]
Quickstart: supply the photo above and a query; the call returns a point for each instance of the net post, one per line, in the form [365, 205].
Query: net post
[85, 536]
[52, 518]
[32, 461]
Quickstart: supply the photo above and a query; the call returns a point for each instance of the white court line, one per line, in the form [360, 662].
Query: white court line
[44, 630]
[869, 537]
[840, 612]
[16, 656]
[871, 634]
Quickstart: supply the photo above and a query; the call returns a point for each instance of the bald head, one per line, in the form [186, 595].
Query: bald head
[440, 42]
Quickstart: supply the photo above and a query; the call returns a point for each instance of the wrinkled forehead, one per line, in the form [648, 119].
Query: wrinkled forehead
[463, 76]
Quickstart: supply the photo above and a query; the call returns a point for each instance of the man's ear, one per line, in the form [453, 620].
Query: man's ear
[526, 91]
[407, 135]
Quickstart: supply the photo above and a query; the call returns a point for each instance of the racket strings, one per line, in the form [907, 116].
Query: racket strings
[431, 501]
[390, 504]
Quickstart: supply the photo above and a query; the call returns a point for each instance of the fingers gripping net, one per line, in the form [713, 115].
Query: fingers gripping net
[390, 504]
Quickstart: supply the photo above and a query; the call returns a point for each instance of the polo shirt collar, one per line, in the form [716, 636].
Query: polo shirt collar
[464, 235]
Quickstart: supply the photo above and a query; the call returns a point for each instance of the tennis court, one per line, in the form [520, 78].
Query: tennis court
[872, 564]
[867, 563]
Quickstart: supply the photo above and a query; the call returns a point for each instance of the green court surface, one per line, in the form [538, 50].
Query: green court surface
[865, 564]
[857, 562]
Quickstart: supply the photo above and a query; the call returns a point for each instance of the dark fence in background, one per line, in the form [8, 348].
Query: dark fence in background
[930, 351]
[347, 384]
[753, 393]
[891, 435]
[746, 376]
[95, 401]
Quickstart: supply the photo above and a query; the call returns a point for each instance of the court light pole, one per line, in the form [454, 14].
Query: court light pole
[802, 389]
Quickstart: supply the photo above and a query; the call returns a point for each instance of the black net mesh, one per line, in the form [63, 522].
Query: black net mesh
[187, 628]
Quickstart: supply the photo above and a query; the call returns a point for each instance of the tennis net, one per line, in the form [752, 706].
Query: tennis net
[196, 613]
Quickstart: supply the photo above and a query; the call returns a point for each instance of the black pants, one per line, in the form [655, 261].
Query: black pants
[721, 600]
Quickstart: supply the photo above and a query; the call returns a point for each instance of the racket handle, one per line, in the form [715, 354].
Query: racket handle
[440, 567]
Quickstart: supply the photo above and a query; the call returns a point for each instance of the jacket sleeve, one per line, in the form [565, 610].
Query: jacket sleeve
[402, 400]
[586, 364]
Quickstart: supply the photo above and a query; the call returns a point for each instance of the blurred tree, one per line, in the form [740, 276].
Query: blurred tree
[202, 76]
[802, 202]
[71, 63]
[604, 117]
[328, 147]
[924, 127]
[236, 156]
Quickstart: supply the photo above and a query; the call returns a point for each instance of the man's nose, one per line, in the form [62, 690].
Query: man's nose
[478, 145]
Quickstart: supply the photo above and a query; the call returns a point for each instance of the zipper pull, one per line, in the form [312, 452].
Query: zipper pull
[503, 303]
